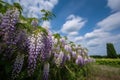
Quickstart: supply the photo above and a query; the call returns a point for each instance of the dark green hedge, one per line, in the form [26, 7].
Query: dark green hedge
[99, 56]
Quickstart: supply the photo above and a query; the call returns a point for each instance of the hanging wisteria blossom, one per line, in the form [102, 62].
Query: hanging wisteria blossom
[17, 65]
[35, 45]
[8, 22]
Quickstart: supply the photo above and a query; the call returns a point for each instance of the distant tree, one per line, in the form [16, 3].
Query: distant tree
[111, 52]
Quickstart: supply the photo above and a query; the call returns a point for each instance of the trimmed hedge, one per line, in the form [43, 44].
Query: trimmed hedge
[100, 56]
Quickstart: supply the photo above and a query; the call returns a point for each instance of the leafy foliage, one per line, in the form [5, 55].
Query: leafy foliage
[47, 15]
[111, 52]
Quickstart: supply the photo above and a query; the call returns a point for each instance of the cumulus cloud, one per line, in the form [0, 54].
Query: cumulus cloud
[78, 39]
[102, 34]
[73, 34]
[73, 24]
[98, 45]
[96, 40]
[114, 5]
[111, 22]
[31, 8]
[96, 33]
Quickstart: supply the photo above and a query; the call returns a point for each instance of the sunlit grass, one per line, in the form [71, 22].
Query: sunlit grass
[112, 62]
[104, 69]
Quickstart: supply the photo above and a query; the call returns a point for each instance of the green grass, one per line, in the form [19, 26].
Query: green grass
[112, 62]
[104, 70]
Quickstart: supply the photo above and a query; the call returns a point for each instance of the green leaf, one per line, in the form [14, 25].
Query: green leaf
[18, 6]
[47, 15]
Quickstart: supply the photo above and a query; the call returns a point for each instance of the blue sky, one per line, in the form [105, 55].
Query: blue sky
[91, 23]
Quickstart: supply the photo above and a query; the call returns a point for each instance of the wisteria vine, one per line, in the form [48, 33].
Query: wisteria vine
[40, 45]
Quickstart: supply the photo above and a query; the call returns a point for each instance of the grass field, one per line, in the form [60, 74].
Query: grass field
[108, 61]
[104, 72]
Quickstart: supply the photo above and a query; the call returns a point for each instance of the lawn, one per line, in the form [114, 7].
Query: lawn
[104, 72]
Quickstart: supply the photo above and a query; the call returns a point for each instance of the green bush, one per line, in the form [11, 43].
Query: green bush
[98, 56]
[111, 52]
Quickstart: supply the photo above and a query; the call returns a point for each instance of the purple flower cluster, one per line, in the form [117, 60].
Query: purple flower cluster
[88, 60]
[64, 51]
[8, 22]
[73, 54]
[35, 45]
[68, 57]
[61, 58]
[80, 60]
[17, 65]
[62, 41]
[21, 40]
[64, 59]
[40, 44]
[67, 48]
[46, 51]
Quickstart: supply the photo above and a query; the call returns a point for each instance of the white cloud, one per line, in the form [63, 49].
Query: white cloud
[111, 22]
[98, 45]
[31, 8]
[78, 39]
[97, 39]
[96, 33]
[46, 24]
[114, 5]
[73, 24]
[73, 34]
